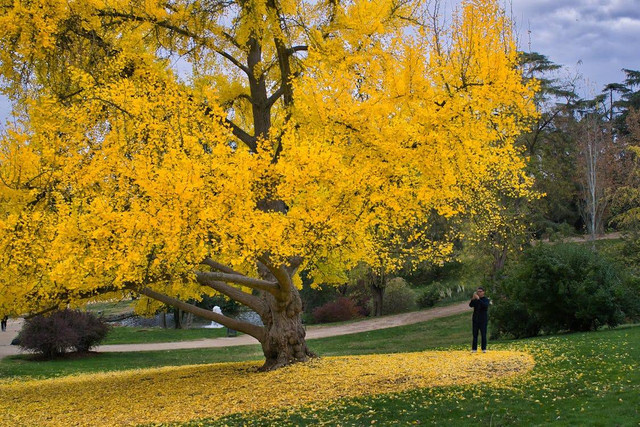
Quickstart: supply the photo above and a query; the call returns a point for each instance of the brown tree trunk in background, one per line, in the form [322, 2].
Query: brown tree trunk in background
[378, 284]
[378, 296]
[177, 318]
[499, 260]
[186, 324]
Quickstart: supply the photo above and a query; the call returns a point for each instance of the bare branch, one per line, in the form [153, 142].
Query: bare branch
[233, 60]
[182, 31]
[294, 49]
[255, 331]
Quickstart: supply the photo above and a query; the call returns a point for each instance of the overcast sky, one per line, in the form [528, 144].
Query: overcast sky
[595, 38]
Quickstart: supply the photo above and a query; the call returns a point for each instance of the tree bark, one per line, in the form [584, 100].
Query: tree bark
[378, 284]
[378, 295]
[499, 260]
[177, 318]
[284, 339]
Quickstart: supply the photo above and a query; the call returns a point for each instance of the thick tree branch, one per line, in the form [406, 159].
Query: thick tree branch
[240, 279]
[65, 298]
[255, 331]
[248, 140]
[45, 311]
[275, 96]
[294, 264]
[280, 273]
[217, 266]
[294, 49]
[254, 303]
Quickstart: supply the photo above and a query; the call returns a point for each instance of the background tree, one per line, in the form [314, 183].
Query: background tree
[626, 200]
[629, 99]
[551, 147]
[595, 163]
[300, 135]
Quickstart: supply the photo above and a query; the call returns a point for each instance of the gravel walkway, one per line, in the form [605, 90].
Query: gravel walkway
[312, 332]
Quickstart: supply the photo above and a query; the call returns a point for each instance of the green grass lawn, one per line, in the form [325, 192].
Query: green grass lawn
[127, 335]
[579, 379]
[585, 379]
[111, 308]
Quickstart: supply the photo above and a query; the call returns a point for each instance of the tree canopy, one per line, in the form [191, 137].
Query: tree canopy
[175, 148]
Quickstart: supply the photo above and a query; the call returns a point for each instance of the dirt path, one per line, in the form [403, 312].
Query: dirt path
[583, 238]
[312, 332]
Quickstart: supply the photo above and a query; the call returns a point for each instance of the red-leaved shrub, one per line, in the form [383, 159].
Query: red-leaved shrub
[61, 331]
[336, 311]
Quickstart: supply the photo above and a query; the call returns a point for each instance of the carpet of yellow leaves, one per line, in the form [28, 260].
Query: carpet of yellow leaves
[210, 391]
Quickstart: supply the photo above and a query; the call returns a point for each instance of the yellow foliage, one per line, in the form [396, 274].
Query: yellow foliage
[120, 173]
[212, 391]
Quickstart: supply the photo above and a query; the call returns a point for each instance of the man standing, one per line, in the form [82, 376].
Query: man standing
[4, 323]
[480, 305]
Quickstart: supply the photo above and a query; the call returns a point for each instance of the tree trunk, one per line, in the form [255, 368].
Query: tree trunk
[499, 260]
[378, 284]
[177, 318]
[186, 324]
[284, 339]
[378, 295]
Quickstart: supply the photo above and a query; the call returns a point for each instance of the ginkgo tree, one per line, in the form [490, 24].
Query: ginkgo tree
[178, 148]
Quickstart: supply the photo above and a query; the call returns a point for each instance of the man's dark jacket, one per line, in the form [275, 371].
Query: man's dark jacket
[480, 309]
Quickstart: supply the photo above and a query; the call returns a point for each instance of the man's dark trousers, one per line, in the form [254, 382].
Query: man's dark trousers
[479, 326]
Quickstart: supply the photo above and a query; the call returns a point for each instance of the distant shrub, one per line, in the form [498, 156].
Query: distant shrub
[511, 318]
[555, 288]
[429, 296]
[627, 294]
[338, 310]
[61, 331]
[398, 297]
[435, 292]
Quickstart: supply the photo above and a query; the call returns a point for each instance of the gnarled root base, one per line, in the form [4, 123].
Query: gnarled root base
[285, 343]
[283, 359]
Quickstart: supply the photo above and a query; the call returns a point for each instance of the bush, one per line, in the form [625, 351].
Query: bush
[55, 334]
[558, 288]
[627, 294]
[436, 291]
[511, 318]
[338, 310]
[398, 297]
[430, 296]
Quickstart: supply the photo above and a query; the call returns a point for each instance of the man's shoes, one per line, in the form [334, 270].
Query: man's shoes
[474, 351]
[484, 351]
